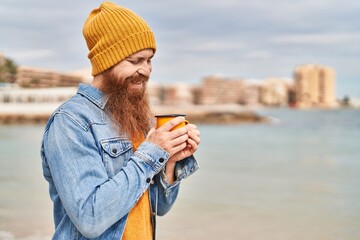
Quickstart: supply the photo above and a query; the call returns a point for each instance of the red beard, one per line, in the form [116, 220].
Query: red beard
[129, 109]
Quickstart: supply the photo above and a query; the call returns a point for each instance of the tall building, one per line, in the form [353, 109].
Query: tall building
[314, 86]
[327, 86]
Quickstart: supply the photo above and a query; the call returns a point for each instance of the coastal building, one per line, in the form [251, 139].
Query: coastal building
[250, 93]
[178, 94]
[43, 78]
[327, 87]
[315, 86]
[220, 90]
[275, 92]
[36, 95]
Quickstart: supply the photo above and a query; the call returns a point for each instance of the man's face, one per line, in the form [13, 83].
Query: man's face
[134, 71]
[125, 84]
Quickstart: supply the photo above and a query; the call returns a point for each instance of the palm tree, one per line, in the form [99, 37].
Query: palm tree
[8, 70]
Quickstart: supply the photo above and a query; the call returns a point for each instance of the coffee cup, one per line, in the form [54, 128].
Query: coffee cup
[162, 119]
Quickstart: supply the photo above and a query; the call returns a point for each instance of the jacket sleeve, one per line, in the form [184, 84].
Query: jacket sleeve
[167, 194]
[93, 201]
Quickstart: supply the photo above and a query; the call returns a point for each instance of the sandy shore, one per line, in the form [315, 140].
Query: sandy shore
[212, 114]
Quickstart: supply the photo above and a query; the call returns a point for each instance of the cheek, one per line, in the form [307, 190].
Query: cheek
[124, 71]
[121, 76]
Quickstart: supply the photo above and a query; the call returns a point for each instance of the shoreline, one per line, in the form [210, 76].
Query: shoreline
[214, 114]
[30, 113]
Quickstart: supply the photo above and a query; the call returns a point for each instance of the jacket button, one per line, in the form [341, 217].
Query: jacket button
[161, 160]
[148, 180]
[114, 150]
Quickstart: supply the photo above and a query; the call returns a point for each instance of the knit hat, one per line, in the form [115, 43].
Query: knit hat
[112, 33]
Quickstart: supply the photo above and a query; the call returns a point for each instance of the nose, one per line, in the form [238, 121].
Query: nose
[145, 69]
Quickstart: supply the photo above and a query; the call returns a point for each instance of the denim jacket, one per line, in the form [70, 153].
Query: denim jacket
[94, 176]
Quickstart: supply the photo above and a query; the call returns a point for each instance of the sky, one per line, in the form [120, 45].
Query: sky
[255, 39]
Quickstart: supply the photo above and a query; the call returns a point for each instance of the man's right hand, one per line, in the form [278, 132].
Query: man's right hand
[171, 141]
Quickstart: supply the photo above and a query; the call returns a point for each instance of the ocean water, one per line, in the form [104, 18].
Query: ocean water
[297, 177]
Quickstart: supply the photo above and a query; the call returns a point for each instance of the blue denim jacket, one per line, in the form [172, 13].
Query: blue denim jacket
[94, 177]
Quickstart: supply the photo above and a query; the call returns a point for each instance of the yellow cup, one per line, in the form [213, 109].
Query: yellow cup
[162, 119]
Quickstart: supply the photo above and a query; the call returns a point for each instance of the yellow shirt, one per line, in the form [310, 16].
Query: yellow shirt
[138, 225]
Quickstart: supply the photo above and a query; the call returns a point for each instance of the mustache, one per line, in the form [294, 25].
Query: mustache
[137, 78]
[114, 85]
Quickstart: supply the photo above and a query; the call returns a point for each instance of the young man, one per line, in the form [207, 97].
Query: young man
[109, 170]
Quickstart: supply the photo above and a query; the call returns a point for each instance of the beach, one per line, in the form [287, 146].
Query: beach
[295, 177]
[15, 113]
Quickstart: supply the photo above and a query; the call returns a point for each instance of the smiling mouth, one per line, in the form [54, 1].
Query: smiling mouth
[137, 82]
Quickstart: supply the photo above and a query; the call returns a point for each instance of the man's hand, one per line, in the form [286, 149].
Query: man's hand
[172, 142]
[180, 143]
[192, 145]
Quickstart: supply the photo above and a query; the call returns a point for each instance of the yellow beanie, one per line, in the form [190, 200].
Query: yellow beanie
[113, 33]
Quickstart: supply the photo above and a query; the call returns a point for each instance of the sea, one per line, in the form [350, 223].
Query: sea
[296, 177]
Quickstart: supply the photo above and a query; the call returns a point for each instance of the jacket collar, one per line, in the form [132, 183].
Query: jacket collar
[93, 94]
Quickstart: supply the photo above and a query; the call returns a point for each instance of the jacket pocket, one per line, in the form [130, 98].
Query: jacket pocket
[115, 154]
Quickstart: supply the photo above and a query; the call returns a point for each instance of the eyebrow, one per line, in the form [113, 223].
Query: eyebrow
[140, 57]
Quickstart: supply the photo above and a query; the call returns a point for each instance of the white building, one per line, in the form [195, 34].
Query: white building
[35, 95]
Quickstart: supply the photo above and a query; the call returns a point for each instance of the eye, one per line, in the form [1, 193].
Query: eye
[134, 61]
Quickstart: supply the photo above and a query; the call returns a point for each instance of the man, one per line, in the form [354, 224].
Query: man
[109, 170]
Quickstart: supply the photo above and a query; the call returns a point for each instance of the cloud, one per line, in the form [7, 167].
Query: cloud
[31, 54]
[256, 55]
[195, 38]
[318, 38]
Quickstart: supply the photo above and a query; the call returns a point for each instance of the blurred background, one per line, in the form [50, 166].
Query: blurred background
[273, 86]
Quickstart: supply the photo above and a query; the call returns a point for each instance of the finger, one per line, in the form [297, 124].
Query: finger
[179, 140]
[194, 132]
[171, 124]
[193, 144]
[195, 136]
[191, 126]
[178, 132]
[178, 148]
